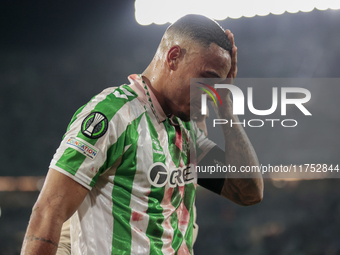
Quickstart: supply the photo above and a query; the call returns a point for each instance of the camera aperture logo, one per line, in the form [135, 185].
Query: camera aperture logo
[239, 105]
[204, 97]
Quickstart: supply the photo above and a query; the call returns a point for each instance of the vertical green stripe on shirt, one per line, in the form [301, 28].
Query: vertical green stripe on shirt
[113, 153]
[188, 200]
[155, 211]
[176, 196]
[173, 149]
[155, 230]
[176, 200]
[190, 192]
[121, 193]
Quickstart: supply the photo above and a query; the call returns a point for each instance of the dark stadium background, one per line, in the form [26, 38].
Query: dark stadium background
[56, 55]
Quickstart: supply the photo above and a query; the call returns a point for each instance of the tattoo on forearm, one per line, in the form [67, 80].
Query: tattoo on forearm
[34, 238]
[241, 144]
[232, 191]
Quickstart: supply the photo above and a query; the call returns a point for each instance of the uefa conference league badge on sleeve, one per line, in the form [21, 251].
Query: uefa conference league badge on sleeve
[94, 125]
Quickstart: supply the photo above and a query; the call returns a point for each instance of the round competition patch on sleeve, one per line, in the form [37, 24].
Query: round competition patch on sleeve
[94, 125]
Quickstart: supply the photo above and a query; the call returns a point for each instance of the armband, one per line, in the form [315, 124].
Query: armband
[216, 154]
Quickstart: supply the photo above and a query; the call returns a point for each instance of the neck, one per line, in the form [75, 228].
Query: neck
[155, 83]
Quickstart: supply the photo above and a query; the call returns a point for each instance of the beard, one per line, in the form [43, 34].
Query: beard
[183, 116]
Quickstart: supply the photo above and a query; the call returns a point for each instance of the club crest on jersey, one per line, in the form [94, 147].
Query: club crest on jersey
[159, 175]
[94, 125]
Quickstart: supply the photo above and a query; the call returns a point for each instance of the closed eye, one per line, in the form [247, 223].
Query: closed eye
[210, 73]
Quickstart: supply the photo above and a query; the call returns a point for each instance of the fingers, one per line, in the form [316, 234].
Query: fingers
[233, 70]
[230, 36]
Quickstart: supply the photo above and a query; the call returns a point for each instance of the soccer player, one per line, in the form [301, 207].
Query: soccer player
[64, 246]
[121, 169]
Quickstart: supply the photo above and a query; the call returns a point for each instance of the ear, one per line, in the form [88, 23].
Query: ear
[173, 57]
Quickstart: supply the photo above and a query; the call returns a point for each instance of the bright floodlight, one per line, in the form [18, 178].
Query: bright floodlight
[163, 11]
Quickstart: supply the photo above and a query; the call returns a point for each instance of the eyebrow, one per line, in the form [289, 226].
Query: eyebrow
[213, 74]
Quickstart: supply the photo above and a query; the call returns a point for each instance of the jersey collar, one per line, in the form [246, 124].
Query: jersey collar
[146, 95]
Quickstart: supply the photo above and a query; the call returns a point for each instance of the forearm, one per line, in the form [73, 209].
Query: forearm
[54, 206]
[42, 235]
[242, 188]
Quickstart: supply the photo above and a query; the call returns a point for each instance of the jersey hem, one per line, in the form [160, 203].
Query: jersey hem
[75, 178]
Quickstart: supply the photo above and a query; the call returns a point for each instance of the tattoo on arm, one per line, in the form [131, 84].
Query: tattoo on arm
[232, 191]
[242, 189]
[34, 238]
[246, 151]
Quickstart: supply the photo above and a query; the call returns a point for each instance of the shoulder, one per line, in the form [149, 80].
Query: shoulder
[112, 99]
[114, 103]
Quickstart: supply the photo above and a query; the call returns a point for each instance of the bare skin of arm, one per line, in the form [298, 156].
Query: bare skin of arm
[58, 200]
[247, 190]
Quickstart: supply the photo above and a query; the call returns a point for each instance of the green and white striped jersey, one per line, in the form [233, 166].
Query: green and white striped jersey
[135, 163]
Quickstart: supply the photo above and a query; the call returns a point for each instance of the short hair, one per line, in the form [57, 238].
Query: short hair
[202, 30]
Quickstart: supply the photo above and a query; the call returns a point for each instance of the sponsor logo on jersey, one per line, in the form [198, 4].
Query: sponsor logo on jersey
[159, 175]
[94, 125]
[83, 147]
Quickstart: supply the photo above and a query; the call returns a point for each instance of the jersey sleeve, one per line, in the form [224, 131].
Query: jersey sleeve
[203, 143]
[64, 246]
[94, 130]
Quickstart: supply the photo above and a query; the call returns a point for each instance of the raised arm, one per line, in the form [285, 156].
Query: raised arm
[248, 188]
[58, 200]
[241, 188]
